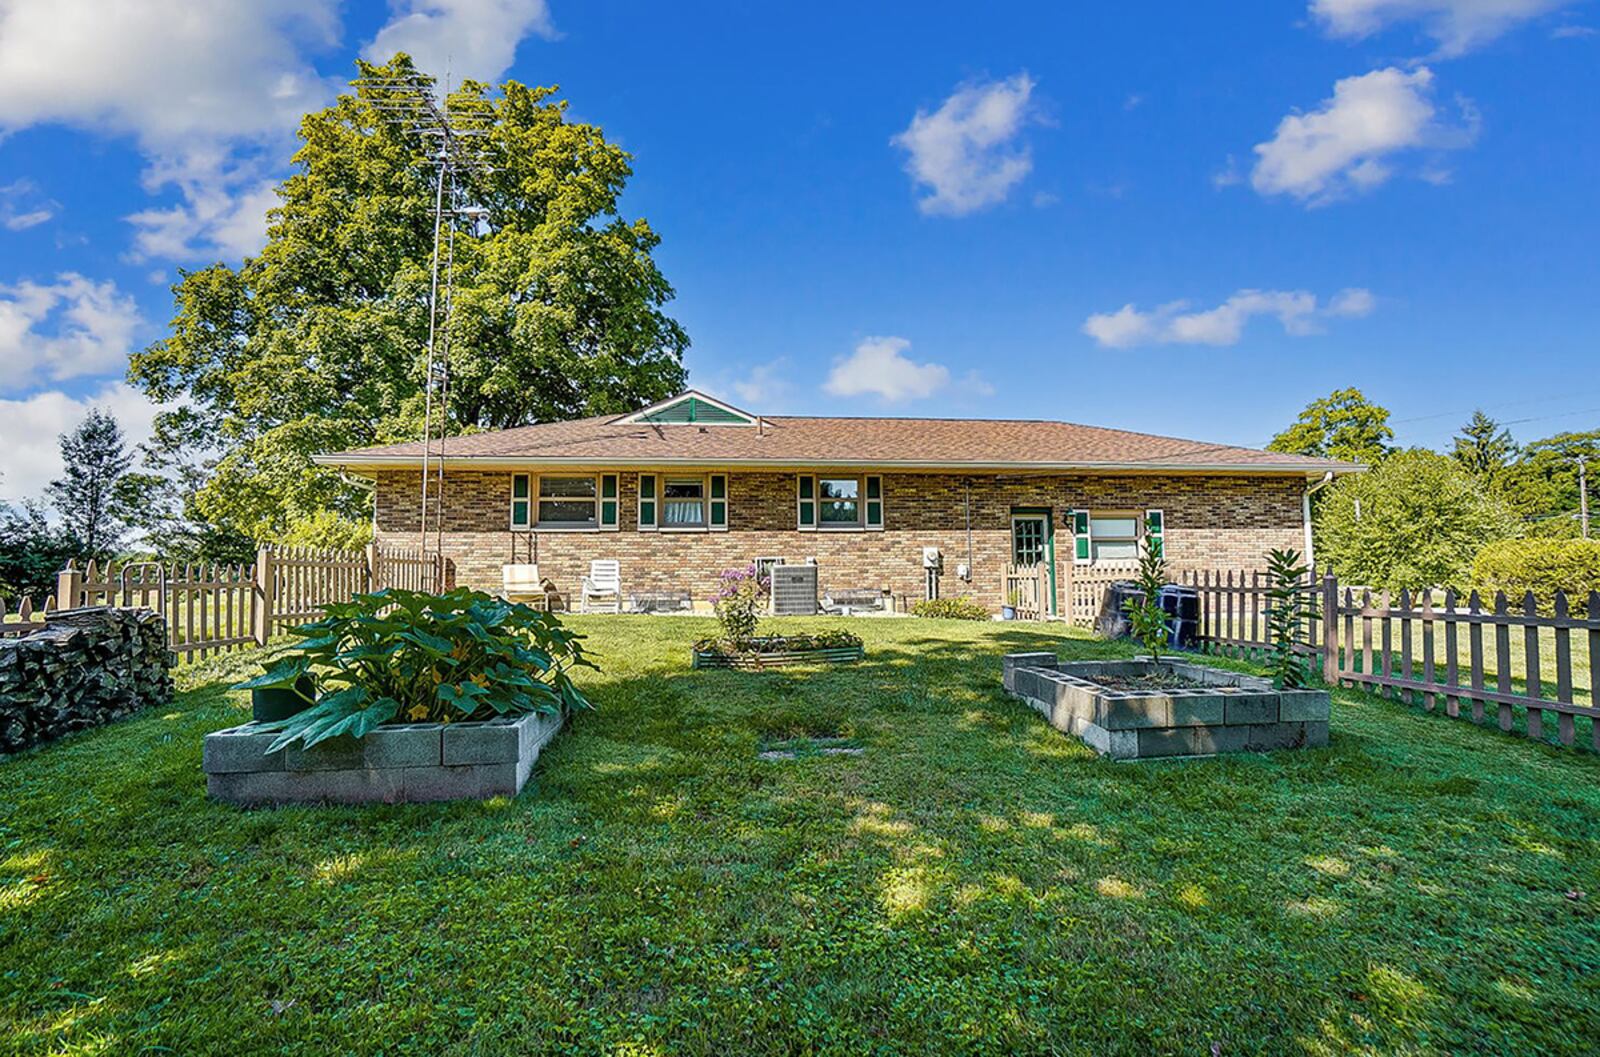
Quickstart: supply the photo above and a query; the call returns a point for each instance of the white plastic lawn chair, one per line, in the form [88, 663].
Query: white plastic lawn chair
[602, 588]
[521, 582]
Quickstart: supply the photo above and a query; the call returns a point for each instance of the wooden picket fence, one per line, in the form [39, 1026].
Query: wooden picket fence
[1086, 589]
[21, 620]
[1410, 649]
[1027, 588]
[211, 608]
[1521, 658]
[1234, 607]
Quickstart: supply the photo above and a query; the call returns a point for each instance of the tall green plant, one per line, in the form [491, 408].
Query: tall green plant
[1148, 619]
[1289, 607]
[413, 657]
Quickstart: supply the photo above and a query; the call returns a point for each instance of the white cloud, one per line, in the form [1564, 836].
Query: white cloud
[1341, 148]
[223, 212]
[470, 38]
[1297, 311]
[764, 384]
[193, 84]
[22, 207]
[70, 328]
[1457, 26]
[879, 367]
[30, 456]
[967, 152]
[164, 71]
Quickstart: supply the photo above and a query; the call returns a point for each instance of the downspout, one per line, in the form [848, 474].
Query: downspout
[966, 484]
[1305, 514]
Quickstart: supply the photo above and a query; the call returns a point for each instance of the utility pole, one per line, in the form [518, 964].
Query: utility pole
[1583, 497]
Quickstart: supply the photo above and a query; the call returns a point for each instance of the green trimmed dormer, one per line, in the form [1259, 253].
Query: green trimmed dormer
[691, 408]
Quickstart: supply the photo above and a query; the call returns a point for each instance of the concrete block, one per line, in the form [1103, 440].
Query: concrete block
[1268, 737]
[1303, 705]
[1316, 734]
[335, 754]
[362, 785]
[471, 781]
[1215, 739]
[496, 741]
[410, 745]
[536, 732]
[1129, 713]
[1166, 741]
[1199, 710]
[249, 787]
[240, 750]
[1250, 709]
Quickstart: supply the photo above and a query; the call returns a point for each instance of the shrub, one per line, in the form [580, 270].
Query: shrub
[406, 656]
[962, 608]
[1288, 609]
[1415, 520]
[738, 601]
[1542, 566]
[1148, 619]
[327, 528]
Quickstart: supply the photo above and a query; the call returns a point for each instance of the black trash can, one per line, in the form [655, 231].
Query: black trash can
[1182, 605]
[1112, 621]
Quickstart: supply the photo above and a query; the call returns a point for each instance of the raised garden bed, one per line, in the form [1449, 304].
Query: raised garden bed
[395, 763]
[1139, 709]
[779, 651]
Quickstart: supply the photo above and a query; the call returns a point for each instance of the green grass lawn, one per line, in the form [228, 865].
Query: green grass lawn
[973, 881]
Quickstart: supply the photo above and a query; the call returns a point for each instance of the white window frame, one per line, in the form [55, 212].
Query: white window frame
[1136, 516]
[863, 500]
[662, 481]
[536, 496]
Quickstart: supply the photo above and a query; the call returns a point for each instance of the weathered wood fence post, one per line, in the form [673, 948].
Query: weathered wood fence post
[1330, 630]
[265, 589]
[69, 586]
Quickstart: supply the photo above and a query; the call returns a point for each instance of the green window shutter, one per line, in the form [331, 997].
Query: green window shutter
[647, 501]
[608, 501]
[874, 502]
[1155, 523]
[718, 504]
[520, 506]
[1080, 536]
[807, 502]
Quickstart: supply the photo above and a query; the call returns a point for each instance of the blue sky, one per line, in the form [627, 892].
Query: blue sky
[1150, 216]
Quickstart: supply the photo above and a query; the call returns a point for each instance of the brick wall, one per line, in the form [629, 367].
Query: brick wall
[1223, 522]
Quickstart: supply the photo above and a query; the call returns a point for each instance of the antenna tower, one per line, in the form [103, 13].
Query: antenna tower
[454, 136]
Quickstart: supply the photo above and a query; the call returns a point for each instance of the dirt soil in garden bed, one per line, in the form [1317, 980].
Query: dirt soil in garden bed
[1152, 681]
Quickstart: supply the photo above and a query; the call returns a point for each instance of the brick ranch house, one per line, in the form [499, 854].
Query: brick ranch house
[690, 486]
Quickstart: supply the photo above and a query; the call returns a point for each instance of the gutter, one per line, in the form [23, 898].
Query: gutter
[1305, 514]
[517, 462]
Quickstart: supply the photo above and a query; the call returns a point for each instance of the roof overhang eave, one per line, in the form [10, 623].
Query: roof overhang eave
[357, 463]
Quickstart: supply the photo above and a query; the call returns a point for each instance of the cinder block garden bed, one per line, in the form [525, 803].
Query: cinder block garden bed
[1119, 708]
[410, 762]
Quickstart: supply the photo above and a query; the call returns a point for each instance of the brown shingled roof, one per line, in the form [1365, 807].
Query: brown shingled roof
[931, 443]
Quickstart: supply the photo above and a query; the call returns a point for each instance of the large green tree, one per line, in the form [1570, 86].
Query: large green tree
[1542, 484]
[1484, 447]
[1342, 425]
[87, 495]
[1415, 520]
[319, 342]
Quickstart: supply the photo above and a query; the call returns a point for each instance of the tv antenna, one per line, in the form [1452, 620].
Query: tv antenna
[454, 134]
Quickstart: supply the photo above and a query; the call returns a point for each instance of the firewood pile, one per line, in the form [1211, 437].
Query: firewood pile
[87, 667]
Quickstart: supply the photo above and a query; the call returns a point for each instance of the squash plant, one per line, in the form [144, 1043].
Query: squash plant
[406, 656]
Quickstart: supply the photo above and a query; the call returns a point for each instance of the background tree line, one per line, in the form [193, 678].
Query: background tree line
[1489, 512]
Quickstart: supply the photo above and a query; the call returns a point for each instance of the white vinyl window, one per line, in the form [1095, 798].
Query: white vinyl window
[839, 501]
[683, 502]
[1114, 537]
[568, 502]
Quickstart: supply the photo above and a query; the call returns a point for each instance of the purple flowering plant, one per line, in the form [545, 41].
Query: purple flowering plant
[738, 600]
